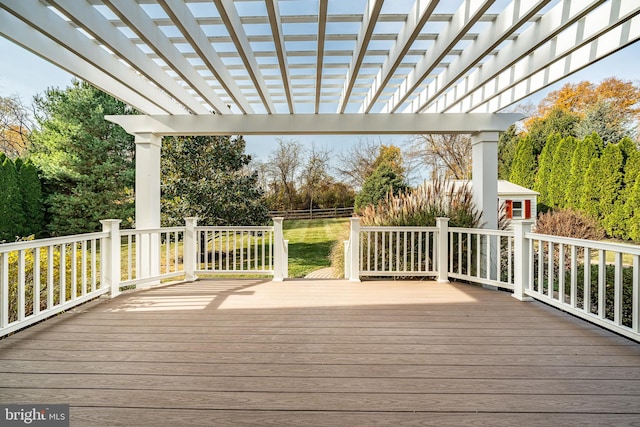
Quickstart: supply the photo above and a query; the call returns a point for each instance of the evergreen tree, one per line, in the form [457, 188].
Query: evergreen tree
[631, 197]
[208, 177]
[586, 150]
[523, 168]
[87, 162]
[545, 164]
[11, 217]
[507, 151]
[607, 188]
[32, 199]
[589, 202]
[382, 181]
[560, 172]
[556, 121]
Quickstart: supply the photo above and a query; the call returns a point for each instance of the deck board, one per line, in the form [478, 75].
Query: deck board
[312, 352]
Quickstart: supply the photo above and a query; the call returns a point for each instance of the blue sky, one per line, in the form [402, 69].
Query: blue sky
[25, 75]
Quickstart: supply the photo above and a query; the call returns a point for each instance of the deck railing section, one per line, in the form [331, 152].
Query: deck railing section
[481, 256]
[398, 251]
[597, 281]
[242, 250]
[41, 278]
[151, 255]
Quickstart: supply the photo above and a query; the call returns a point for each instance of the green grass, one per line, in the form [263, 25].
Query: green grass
[310, 242]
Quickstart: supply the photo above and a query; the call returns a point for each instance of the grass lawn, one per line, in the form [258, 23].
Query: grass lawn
[310, 242]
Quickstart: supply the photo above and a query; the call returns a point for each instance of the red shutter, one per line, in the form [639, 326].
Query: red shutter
[509, 208]
[527, 209]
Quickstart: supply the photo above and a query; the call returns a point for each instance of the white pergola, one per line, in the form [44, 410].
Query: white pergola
[319, 66]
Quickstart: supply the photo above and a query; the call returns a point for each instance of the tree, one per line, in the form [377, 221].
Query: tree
[545, 164]
[32, 199]
[285, 164]
[448, 155]
[555, 121]
[15, 127]
[315, 175]
[382, 181]
[11, 216]
[87, 163]
[608, 188]
[356, 163]
[560, 172]
[209, 177]
[586, 150]
[507, 150]
[391, 156]
[523, 170]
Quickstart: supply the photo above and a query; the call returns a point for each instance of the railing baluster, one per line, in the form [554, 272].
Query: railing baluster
[635, 304]
[602, 282]
[21, 285]
[94, 269]
[561, 273]
[4, 290]
[50, 277]
[83, 266]
[618, 295]
[586, 293]
[36, 281]
[574, 276]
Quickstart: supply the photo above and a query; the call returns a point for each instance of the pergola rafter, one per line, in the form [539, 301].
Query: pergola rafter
[320, 56]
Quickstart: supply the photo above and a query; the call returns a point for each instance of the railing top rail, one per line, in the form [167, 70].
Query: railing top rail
[484, 231]
[591, 244]
[235, 228]
[132, 231]
[397, 228]
[31, 244]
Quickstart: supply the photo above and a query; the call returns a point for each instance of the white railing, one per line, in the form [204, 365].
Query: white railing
[41, 278]
[597, 281]
[151, 255]
[398, 251]
[242, 250]
[481, 256]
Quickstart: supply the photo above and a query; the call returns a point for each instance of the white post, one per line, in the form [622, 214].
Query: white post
[484, 151]
[148, 201]
[443, 249]
[521, 256]
[111, 256]
[189, 249]
[354, 251]
[347, 267]
[278, 250]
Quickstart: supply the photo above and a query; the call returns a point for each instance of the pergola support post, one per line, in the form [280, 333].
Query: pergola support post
[484, 146]
[148, 201]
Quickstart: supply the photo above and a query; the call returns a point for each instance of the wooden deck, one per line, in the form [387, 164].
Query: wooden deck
[312, 352]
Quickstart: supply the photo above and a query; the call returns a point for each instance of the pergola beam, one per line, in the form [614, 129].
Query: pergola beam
[559, 18]
[91, 21]
[590, 31]
[184, 20]
[507, 22]
[315, 124]
[231, 19]
[322, 28]
[133, 16]
[410, 32]
[369, 21]
[46, 48]
[278, 40]
[38, 16]
[604, 45]
[465, 17]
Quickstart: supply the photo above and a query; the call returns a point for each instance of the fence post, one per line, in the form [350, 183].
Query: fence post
[278, 250]
[443, 249]
[521, 256]
[354, 251]
[189, 249]
[111, 252]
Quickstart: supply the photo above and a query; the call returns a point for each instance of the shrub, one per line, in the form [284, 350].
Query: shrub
[569, 223]
[419, 207]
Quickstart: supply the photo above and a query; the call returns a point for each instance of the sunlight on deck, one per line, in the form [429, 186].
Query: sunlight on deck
[257, 294]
